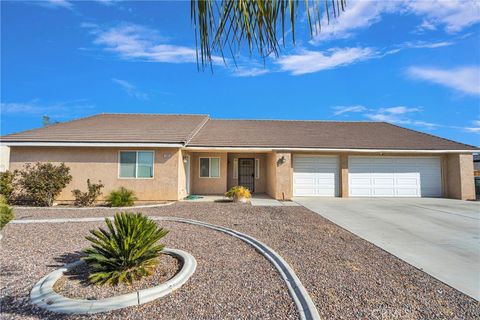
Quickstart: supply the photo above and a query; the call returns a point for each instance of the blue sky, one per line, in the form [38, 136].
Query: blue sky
[412, 63]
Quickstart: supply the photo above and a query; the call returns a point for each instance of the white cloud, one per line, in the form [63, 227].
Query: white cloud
[34, 107]
[130, 89]
[428, 45]
[475, 128]
[107, 2]
[454, 16]
[358, 15]
[398, 110]
[249, 71]
[313, 61]
[462, 79]
[135, 42]
[55, 4]
[346, 109]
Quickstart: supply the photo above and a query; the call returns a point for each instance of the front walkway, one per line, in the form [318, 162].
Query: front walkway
[438, 236]
[257, 200]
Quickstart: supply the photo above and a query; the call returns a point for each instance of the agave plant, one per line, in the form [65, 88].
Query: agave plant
[127, 251]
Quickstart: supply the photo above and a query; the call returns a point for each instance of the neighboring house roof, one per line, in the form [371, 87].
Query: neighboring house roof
[157, 128]
[318, 134]
[476, 158]
[201, 131]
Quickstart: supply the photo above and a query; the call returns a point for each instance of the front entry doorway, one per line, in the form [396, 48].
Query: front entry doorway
[246, 173]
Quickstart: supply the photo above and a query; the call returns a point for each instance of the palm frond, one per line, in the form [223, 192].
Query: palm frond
[231, 24]
[128, 250]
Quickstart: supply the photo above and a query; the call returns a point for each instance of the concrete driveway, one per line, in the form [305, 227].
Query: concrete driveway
[439, 236]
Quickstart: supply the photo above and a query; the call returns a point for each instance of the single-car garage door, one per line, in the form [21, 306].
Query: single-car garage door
[394, 177]
[315, 176]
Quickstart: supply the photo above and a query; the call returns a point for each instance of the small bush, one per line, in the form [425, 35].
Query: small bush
[42, 182]
[121, 198]
[6, 214]
[7, 185]
[127, 251]
[238, 192]
[85, 199]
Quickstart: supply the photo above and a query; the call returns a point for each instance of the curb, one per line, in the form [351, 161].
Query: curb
[45, 297]
[89, 208]
[297, 291]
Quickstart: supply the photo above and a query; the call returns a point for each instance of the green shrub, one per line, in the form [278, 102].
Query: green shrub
[121, 198]
[127, 251]
[6, 214]
[42, 182]
[7, 185]
[85, 199]
[238, 192]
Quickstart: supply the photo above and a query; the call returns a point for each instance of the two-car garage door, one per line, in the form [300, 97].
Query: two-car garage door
[368, 176]
[394, 177]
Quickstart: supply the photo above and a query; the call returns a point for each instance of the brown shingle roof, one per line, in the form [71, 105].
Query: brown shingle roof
[318, 134]
[199, 130]
[159, 128]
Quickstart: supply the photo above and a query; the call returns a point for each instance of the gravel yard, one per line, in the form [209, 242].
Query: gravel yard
[347, 277]
[74, 284]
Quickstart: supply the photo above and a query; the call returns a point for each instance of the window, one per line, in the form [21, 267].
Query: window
[209, 167]
[136, 164]
[257, 168]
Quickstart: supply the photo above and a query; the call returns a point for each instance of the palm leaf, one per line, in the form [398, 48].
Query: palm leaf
[128, 250]
[233, 23]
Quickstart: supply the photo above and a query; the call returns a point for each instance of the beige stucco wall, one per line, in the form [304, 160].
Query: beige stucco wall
[182, 174]
[260, 182]
[102, 164]
[460, 179]
[343, 175]
[4, 158]
[208, 185]
[279, 183]
[271, 176]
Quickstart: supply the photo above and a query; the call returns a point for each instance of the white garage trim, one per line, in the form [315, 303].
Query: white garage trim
[315, 176]
[394, 176]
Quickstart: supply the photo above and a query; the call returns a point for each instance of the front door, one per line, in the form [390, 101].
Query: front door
[246, 173]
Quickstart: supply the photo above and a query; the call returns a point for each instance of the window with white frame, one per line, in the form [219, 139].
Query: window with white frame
[209, 167]
[257, 168]
[136, 164]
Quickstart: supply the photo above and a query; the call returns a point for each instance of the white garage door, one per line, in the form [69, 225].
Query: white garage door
[394, 177]
[315, 176]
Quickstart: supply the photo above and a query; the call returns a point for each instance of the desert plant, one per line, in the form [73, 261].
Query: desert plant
[6, 214]
[127, 251]
[238, 193]
[7, 185]
[121, 198]
[42, 182]
[85, 199]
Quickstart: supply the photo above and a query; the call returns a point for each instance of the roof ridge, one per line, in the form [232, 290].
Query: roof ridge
[197, 130]
[430, 135]
[153, 114]
[297, 120]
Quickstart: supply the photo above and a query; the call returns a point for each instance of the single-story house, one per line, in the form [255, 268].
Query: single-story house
[167, 157]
